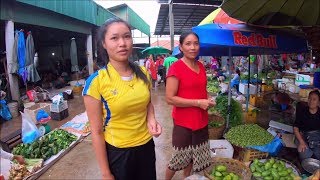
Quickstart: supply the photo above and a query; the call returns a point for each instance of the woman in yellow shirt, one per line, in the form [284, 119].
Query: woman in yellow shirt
[118, 103]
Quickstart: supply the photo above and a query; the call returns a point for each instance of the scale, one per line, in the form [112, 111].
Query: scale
[45, 127]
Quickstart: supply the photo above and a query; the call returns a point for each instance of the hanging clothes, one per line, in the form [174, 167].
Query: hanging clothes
[33, 75]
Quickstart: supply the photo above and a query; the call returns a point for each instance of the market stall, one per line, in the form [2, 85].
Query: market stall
[240, 39]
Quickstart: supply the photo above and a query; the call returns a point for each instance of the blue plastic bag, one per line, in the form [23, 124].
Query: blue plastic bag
[4, 110]
[272, 148]
[41, 114]
[30, 132]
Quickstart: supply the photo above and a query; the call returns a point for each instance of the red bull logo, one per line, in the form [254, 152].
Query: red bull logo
[255, 39]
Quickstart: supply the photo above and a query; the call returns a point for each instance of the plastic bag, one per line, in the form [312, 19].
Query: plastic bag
[4, 110]
[30, 131]
[272, 148]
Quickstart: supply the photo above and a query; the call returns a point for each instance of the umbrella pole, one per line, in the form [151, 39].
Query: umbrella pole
[229, 93]
[248, 90]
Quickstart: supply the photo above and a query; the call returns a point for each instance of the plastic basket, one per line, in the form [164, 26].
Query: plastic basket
[232, 165]
[216, 132]
[247, 155]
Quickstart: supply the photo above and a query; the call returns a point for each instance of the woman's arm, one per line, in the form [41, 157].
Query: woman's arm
[172, 98]
[302, 144]
[94, 112]
[154, 127]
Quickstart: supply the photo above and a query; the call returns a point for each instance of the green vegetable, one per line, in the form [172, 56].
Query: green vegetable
[217, 173]
[46, 146]
[267, 166]
[268, 178]
[222, 108]
[215, 124]
[283, 173]
[248, 135]
[266, 173]
[221, 168]
[256, 174]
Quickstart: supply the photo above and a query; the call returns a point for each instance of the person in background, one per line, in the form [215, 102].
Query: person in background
[236, 80]
[160, 68]
[307, 127]
[118, 103]
[167, 63]
[186, 90]
[151, 68]
[11, 157]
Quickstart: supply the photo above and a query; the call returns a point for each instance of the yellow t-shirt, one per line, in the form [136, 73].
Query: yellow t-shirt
[124, 106]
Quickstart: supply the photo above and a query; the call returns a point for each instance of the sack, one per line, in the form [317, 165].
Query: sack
[30, 132]
[272, 148]
[4, 110]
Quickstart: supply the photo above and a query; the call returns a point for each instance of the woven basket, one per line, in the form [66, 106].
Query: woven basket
[216, 132]
[232, 165]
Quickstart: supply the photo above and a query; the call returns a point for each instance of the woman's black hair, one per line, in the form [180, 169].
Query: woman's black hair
[238, 71]
[185, 34]
[103, 54]
[315, 92]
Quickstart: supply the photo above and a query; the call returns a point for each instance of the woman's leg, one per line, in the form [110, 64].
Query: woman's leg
[120, 161]
[145, 160]
[182, 151]
[201, 149]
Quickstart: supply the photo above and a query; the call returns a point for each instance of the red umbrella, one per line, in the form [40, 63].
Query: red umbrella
[218, 16]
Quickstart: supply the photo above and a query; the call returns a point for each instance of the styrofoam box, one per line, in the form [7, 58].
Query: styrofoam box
[222, 148]
[58, 107]
[302, 79]
[244, 87]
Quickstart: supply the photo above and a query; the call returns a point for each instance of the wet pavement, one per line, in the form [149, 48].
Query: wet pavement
[80, 162]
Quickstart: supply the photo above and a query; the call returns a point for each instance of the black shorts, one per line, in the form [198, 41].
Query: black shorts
[133, 163]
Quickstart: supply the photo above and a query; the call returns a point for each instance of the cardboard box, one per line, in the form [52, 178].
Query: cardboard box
[33, 110]
[256, 101]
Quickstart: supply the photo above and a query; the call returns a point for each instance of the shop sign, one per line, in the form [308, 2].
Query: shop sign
[255, 39]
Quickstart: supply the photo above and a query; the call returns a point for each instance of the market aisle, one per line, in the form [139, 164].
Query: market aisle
[80, 162]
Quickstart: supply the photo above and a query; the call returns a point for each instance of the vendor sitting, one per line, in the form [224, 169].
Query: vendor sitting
[307, 128]
[236, 80]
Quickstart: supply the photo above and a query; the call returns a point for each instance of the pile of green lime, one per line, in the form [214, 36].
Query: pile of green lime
[220, 172]
[271, 169]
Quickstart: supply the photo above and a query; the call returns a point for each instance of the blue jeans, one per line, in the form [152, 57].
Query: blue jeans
[312, 138]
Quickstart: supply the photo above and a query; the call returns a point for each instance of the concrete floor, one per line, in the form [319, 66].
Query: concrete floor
[80, 162]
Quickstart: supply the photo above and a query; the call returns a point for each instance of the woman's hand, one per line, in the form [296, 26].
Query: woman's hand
[108, 176]
[302, 146]
[205, 103]
[19, 159]
[154, 127]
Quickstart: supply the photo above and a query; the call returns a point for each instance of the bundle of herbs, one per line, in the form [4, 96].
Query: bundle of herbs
[46, 146]
[221, 108]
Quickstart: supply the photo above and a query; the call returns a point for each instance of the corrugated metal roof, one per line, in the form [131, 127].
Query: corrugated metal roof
[206, 2]
[185, 17]
[90, 12]
[84, 10]
[165, 43]
[126, 13]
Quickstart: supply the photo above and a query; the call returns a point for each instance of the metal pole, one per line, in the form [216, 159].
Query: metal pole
[171, 24]
[248, 90]
[229, 91]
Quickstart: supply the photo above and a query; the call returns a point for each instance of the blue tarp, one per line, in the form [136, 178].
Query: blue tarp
[215, 40]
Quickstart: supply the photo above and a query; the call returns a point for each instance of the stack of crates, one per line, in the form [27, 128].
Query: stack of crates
[59, 111]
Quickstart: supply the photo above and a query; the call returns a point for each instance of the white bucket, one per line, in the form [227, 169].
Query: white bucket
[14, 109]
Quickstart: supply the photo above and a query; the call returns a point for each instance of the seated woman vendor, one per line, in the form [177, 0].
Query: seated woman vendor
[307, 128]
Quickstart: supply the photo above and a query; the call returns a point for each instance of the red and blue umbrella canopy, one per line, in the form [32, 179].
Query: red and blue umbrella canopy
[215, 40]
